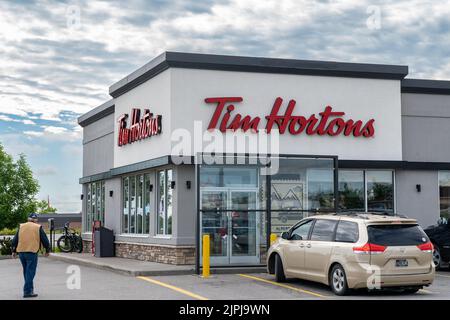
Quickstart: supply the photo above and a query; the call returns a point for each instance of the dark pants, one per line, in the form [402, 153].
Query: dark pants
[29, 262]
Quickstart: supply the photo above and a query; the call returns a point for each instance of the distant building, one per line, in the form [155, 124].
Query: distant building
[60, 219]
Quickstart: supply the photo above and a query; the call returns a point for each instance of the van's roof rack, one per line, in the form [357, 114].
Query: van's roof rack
[363, 214]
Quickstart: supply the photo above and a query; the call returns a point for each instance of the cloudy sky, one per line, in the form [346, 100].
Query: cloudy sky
[57, 59]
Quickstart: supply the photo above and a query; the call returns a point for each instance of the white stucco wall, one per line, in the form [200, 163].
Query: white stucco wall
[178, 95]
[154, 94]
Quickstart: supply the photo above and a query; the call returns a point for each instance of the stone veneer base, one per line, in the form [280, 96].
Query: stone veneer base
[181, 255]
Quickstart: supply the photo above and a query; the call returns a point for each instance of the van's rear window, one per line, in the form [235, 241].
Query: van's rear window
[396, 235]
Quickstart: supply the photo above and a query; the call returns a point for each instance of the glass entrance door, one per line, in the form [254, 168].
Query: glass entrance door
[232, 225]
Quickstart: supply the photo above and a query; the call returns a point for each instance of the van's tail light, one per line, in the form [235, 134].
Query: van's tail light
[426, 247]
[369, 248]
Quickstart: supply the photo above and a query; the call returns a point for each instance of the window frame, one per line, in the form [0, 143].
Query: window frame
[167, 186]
[365, 183]
[143, 193]
[94, 208]
[299, 224]
[394, 198]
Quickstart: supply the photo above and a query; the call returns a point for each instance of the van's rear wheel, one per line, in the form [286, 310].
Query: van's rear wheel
[437, 259]
[338, 280]
[279, 272]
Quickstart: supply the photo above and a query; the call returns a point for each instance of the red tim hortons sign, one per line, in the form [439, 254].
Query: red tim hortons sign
[140, 128]
[328, 122]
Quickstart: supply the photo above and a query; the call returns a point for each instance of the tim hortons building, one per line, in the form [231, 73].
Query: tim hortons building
[348, 136]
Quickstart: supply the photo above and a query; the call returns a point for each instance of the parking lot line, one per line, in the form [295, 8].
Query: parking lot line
[169, 286]
[283, 285]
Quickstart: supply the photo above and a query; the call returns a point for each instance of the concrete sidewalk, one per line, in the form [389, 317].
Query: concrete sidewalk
[144, 268]
[124, 266]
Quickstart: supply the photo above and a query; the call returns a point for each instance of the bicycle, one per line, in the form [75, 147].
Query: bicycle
[70, 241]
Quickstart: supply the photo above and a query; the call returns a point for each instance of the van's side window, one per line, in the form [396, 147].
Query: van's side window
[301, 232]
[347, 231]
[323, 230]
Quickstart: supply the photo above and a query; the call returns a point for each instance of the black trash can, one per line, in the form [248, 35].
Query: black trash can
[104, 242]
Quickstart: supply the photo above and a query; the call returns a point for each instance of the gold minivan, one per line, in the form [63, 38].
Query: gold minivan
[355, 250]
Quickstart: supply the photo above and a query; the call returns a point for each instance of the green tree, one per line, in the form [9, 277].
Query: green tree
[43, 207]
[18, 189]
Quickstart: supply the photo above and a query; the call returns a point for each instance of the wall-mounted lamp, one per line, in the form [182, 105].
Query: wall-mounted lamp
[188, 184]
[150, 187]
[418, 187]
[172, 184]
[81, 196]
[111, 192]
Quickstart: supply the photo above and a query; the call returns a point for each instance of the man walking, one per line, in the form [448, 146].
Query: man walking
[27, 243]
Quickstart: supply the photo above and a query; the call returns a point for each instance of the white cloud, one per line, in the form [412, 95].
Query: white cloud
[15, 144]
[53, 133]
[9, 119]
[53, 67]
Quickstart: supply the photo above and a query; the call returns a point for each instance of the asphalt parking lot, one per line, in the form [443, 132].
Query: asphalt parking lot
[52, 278]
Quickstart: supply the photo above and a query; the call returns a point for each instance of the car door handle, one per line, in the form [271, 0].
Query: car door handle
[308, 245]
[301, 245]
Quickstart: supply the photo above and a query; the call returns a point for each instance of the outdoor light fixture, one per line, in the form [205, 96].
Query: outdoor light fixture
[418, 187]
[188, 184]
[81, 196]
[151, 188]
[111, 193]
[172, 184]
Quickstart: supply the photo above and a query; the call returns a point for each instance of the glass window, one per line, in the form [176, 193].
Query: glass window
[397, 235]
[444, 193]
[126, 205]
[347, 231]
[161, 201]
[140, 203]
[132, 205]
[214, 200]
[303, 184]
[351, 190]
[323, 230]
[169, 202]
[243, 200]
[216, 181]
[99, 201]
[87, 223]
[320, 189]
[165, 192]
[380, 191]
[147, 203]
[136, 204]
[302, 231]
[229, 177]
[95, 204]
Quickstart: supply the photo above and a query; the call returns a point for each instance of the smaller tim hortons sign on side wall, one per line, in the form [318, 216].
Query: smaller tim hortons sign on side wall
[140, 128]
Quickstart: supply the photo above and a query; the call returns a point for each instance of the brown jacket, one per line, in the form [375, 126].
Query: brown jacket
[29, 237]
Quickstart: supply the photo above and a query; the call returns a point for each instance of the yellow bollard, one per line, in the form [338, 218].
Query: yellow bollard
[206, 256]
[273, 238]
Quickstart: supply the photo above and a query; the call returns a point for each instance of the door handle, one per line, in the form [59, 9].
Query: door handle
[308, 245]
[301, 245]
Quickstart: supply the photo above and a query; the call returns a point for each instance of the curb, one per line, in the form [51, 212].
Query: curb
[234, 270]
[122, 271]
[6, 257]
[137, 273]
